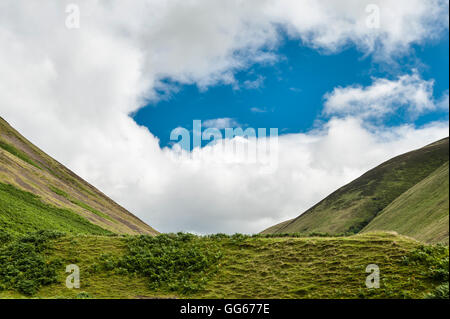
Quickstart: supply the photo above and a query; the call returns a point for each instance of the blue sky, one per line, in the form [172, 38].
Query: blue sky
[291, 90]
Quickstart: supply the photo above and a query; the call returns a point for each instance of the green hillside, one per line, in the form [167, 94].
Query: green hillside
[220, 266]
[354, 206]
[421, 212]
[23, 212]
[38, 193]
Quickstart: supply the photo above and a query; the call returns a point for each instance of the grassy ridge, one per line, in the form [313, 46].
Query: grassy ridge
[244, 267]
[354, 206]
[421, 212]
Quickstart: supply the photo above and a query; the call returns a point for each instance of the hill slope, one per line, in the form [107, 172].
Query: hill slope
[37, 192]
[421, 212]
[354, 206]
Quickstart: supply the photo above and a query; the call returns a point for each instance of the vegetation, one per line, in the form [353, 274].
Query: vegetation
[436, 262]
[241, 266]
[22, 265]
[178, 263]
[421, 212]
[353, 207]
[79, 203]
[14, 151]
[23, 212]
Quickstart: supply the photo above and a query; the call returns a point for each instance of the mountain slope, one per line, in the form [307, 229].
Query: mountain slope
[421, 212]
[37, 192]
[352, 207]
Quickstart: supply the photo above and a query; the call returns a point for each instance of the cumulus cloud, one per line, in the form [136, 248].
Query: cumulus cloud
[383, 97]
[330, 25]
[71, 92]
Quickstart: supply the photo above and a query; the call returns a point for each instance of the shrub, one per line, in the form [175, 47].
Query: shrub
[175, 262]
[436, 260]
[22, 265]
[4, 237]
[441, 292]
[83, 295]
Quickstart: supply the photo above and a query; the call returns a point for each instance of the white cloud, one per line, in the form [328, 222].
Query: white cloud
[259, 110]
[383, 97]
[443, 103]
[70, 92]
[255, 84]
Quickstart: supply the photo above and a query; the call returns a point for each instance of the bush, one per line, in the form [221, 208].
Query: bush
[4, 237]
[441, 292]
[175, 262]
[436, 260]
[83, 295]
[22, 265]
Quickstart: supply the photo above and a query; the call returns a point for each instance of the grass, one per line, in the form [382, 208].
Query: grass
[246, 267]
[14, 151]
[355, 205]
[79, 203]
[421, 212]
[23, 212]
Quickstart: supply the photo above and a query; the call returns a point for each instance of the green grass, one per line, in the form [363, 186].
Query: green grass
[79, 203]
[22, 212]
[421, 212]
[354, 206]
[245, 267]
[14, 151]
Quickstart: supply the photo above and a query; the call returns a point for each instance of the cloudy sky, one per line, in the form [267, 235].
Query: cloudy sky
[100, 86]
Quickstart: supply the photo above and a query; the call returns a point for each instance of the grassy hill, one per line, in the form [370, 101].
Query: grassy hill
[354, 206]
[37, 192]
[421, 212]
[220, 266]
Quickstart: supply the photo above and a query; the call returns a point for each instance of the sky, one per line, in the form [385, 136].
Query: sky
[288, 93]
[102, 85]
